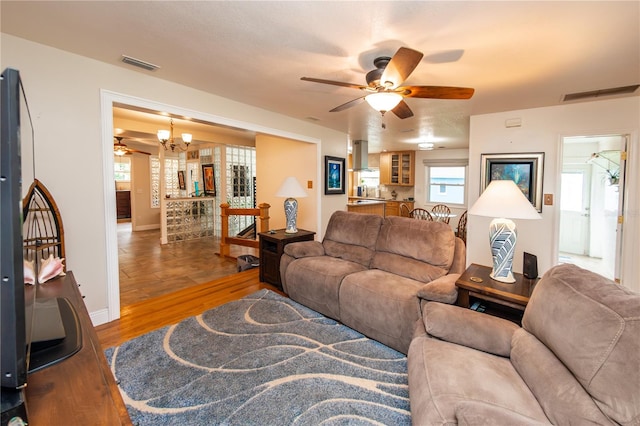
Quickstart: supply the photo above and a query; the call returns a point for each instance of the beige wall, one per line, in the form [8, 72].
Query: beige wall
[278, 158]
[542, 130]
[72, 156]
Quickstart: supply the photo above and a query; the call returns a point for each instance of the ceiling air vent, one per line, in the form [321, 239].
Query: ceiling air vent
[138, 63]
[599, 93]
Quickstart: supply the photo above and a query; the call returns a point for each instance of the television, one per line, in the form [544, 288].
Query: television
[35, 332]
[14, 304]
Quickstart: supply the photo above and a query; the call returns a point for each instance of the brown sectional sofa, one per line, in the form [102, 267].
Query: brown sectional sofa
[575, 360]
[369, 272]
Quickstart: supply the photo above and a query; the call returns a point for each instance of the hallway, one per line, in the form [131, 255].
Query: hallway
[149, 269]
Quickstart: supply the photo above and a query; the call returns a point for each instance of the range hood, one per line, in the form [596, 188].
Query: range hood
[360, 154]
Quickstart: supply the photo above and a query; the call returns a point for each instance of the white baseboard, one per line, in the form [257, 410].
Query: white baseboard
[99, 317]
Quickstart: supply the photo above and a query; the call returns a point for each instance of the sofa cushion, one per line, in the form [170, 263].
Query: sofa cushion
[444, 374]
[593, 326]
[563, 399]
[474, 413]
[315, 282]
[352, 236]
[381, 305]
[417, 249]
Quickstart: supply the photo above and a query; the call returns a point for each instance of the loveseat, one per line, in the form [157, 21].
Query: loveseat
[370, 272]
[575, 360]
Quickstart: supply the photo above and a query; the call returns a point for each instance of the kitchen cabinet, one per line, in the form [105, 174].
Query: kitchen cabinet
[393, 207]
[397, 168]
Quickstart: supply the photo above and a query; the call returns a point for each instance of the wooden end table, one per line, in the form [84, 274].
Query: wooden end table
[271, 250]
[499, 299]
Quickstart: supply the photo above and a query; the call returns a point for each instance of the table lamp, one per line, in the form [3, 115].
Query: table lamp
[503, 199]
[290, 188]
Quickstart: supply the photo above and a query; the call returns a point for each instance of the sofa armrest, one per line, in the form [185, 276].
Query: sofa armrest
[469, 328]
[304, 249]
[442, 289]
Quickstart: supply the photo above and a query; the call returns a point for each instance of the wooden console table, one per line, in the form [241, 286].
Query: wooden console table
[81, 389]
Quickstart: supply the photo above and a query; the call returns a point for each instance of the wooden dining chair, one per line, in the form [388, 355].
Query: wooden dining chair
[404, 210]
[462, 227]
[422, 214]
[441, 212]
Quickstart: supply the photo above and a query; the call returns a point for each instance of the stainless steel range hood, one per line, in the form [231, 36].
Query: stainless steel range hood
[360, 154]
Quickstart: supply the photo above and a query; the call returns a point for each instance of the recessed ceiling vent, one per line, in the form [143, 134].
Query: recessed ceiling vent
[139, 63]
[599, 93]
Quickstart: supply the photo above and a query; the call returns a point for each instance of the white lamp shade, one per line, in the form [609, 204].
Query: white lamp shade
[163, 135]
[383, 101]
[503, 198]
[290, 188]
[187, 137]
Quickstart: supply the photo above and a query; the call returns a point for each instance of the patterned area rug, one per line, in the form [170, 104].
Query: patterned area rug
[261, 360]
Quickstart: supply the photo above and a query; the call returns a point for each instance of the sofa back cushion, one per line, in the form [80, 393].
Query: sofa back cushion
[418, 249]
[352, 236]
[592, 325]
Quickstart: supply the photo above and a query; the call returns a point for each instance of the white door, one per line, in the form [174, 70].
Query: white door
[574, 209]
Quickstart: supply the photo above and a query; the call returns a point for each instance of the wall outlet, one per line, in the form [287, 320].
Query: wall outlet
[548, 199]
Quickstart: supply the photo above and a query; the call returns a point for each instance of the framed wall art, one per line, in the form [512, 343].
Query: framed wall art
[181, 182]
[334, 175]
[525, 169]
[208, 179]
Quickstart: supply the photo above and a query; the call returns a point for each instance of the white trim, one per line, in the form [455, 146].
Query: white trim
[99, 317]
[107, 99]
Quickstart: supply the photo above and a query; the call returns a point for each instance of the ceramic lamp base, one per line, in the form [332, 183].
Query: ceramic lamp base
[503, 237]
[291, 213]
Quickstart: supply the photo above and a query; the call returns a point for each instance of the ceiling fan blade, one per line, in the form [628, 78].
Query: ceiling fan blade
[139, 152]
[348, 105]
[402, 110]
[334, 83]
[436, 92]
[400, 66]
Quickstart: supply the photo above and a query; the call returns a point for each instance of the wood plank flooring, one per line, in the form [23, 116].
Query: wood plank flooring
[149, 269]
[163, 284]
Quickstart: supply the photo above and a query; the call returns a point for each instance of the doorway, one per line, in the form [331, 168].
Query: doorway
[591, 201]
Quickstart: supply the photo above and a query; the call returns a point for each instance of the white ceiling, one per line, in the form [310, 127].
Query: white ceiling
[515, 54]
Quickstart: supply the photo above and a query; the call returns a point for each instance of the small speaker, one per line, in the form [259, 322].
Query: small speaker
[530, 266]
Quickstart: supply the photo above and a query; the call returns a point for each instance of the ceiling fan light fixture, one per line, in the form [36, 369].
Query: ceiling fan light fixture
[383, 101]
[120, 151]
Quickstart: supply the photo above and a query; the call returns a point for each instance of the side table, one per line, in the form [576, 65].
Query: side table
[271, 250]
[499, 299]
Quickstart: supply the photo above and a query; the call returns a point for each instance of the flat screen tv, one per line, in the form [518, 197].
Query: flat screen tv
[35, 333]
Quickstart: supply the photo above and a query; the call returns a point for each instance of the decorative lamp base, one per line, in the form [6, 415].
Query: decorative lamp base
[291, 213]
[503, 237]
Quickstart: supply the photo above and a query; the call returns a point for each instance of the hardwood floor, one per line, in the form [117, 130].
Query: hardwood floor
[141, 317]
[149, 269]
[163, 284]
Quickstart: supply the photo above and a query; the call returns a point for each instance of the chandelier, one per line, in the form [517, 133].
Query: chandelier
[165, 136]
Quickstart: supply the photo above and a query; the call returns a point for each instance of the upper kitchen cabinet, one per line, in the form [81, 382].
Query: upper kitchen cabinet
[397, 168]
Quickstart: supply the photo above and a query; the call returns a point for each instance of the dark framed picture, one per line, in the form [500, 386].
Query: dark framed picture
[181, 183]
[334, 175]
[208, 180]
[525, 169]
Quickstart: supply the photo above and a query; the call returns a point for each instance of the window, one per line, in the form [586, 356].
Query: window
[446, 184]
[122, 169]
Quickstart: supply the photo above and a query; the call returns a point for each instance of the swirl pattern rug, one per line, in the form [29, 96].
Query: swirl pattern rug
[260, 360]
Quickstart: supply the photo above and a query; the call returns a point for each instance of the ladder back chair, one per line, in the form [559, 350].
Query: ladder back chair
[462, 227]
[441, 212]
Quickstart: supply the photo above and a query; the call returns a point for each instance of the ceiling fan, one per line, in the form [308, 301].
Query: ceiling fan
[384, 91]
[121, 149]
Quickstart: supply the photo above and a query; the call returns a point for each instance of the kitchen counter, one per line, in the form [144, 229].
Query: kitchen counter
[367, 206]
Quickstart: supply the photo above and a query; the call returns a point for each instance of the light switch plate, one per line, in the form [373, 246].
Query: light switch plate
[310, 184]
[548, 199]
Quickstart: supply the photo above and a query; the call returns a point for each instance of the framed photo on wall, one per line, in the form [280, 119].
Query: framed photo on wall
[181, 183]
[208, 180]
[525, 169]
[334, 175]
